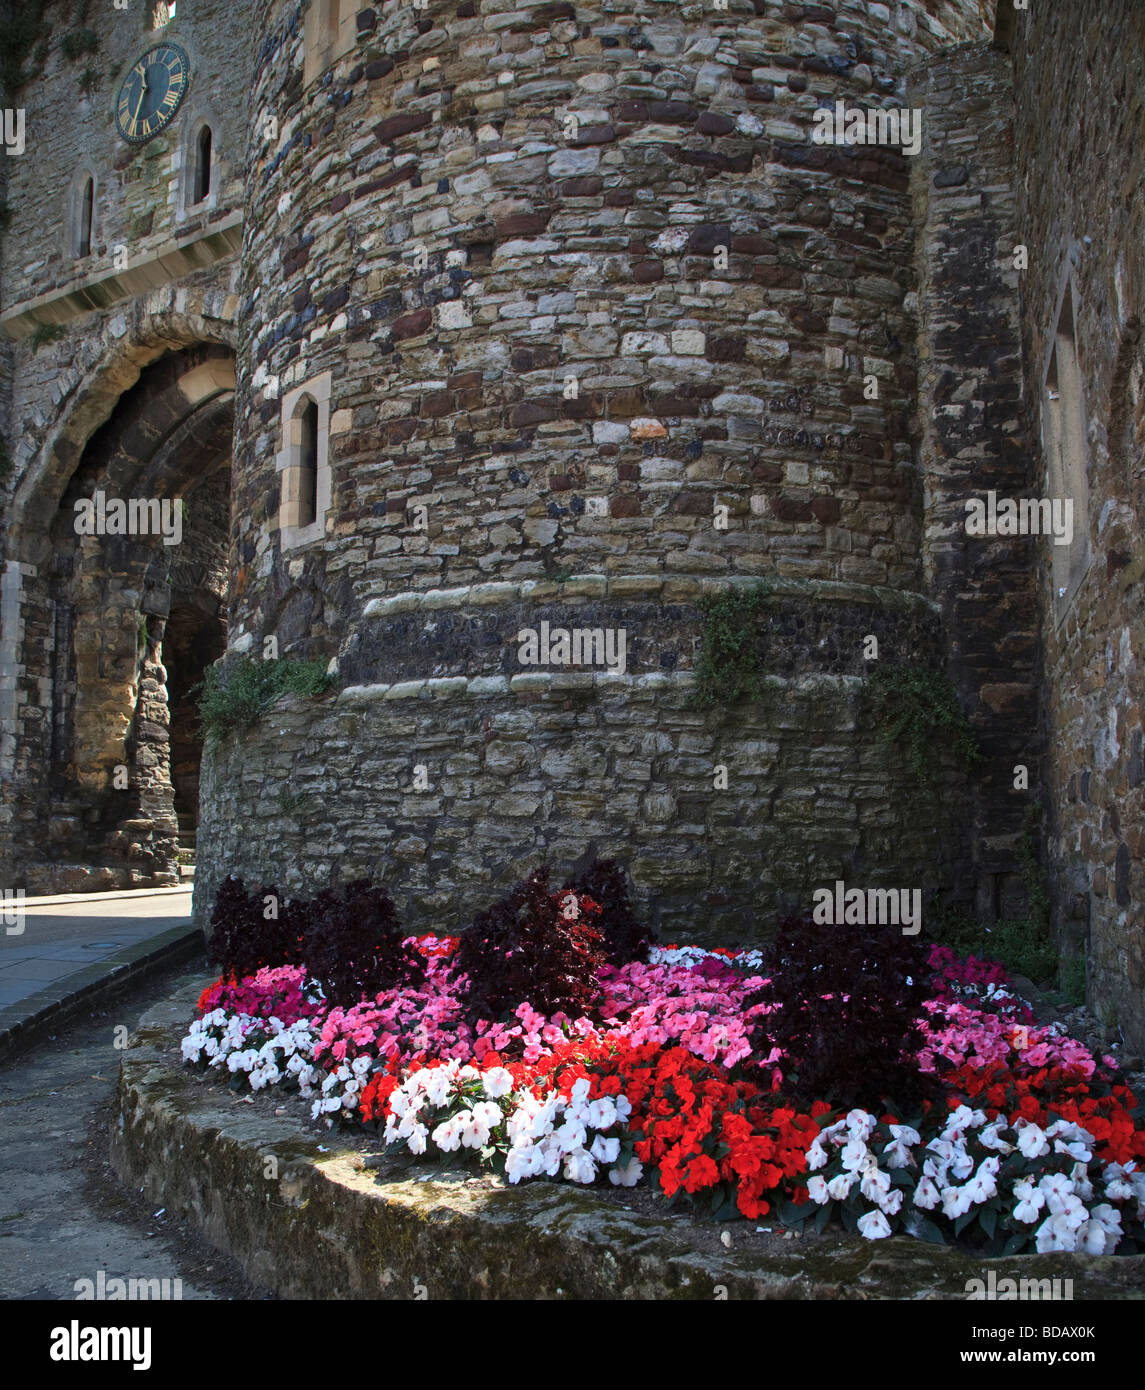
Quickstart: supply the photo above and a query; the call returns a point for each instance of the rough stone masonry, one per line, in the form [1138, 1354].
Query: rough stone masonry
[503, 315]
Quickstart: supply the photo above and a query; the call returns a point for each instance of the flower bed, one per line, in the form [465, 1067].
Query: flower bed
[1021, 1139]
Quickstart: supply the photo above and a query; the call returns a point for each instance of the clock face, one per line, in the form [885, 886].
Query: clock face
[151, 93]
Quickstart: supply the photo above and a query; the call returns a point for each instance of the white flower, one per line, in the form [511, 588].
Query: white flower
[623, 1110]
[840, 1186]
[1081, 1183]
[1030, 1201]
[605, 1150]
[990, 1138]
[874, 1226]
[474, 1134]
[1107, 1216]
[580, 1089]
[898, 1150]
[523, 1161]
[1116, 1187]
[487, 1113]
[417, 1139]
[447, 1136]
[551, 1155]
[956, 1202]
[817, 1189]
[982, 1185]
[1054, 1234]
[436, 1084]
[926, 1195]
[860, 1125]
[891, 1203]
[579, 1166]
[875, 1184]
[571, 1136]
[1058, 1189]
[962, 1119]
[602, 1113]
[816, 1155]
[497, 1082]
[628, 1175]
[853, 1155]
[1032, 1141]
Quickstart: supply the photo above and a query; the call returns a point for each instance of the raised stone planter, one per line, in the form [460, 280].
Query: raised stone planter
[325, 1227]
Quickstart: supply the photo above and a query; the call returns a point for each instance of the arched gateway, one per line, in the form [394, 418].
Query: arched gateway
[118, 571]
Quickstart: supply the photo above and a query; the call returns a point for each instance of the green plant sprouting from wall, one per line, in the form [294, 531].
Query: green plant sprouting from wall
[729, 668]
[45, 333]
[80, 39]
[236, 695]
[914, 705]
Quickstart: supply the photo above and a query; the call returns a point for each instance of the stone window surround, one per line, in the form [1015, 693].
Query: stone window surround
[73, 219]
[288, 463]
[1064, 564]
[187, 157]
[330, 30]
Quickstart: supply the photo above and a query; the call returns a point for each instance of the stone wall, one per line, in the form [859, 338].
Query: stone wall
[548, 768]
[1082, 214]
[532, 335]
[75, 671]
[140, 192]
[973, 440]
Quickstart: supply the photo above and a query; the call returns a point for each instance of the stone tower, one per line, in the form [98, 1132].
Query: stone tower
[588, 328]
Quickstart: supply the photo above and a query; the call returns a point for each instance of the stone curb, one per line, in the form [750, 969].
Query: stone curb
[112, 895]
[324, 1228]
[29, 1020]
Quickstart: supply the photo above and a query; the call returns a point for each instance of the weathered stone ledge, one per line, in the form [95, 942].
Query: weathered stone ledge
[323, 1227]
[543, 682]
[668, 588]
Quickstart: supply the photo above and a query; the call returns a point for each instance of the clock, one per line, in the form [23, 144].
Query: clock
[152, 92]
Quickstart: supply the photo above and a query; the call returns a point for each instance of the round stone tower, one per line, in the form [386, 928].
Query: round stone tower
[560, 320]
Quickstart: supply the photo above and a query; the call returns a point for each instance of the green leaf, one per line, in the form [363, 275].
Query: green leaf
[926, 1230]
[1015, 1244]
[988, 1220]
[822, 1216]
[963, 1221]
[791, 1215]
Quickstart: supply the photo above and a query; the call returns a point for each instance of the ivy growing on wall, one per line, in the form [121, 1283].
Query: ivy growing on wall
[730, 667]
[914, 705]
[236, 696]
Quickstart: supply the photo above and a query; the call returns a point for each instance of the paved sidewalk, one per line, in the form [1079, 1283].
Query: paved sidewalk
[76, 948]
[64, 1215]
